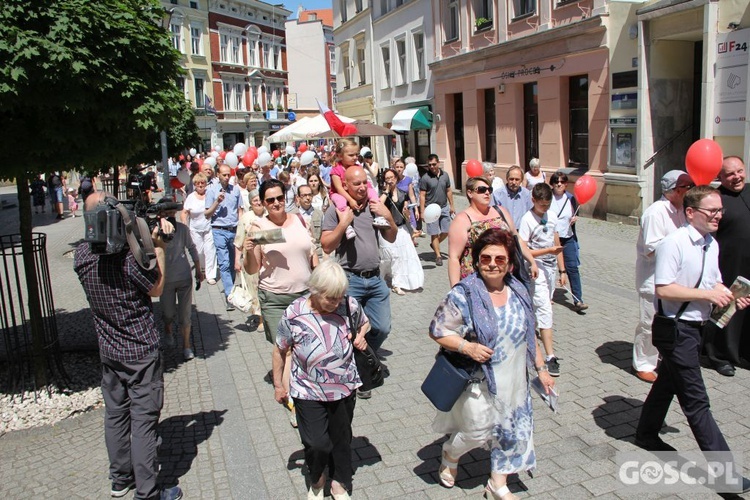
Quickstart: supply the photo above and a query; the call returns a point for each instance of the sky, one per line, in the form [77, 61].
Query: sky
[307, 4]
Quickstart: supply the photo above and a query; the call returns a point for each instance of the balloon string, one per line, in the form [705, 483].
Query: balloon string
[577, 209]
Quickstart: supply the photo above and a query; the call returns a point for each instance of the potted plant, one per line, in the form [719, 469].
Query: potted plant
[256, 107]
[482, 23]
[279, 108]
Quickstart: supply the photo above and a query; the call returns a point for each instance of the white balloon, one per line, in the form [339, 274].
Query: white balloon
[214, 155]
[240, 149]
[217, 148]
[289, 150]
[262, 150]
[211, 160]
[307, 157]
[193, 151]
[231, 160]
[183, 176]
[431, 213]
[264, 158]
[411, 170]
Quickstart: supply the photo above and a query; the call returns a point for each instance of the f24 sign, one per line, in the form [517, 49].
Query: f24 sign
[732, 46]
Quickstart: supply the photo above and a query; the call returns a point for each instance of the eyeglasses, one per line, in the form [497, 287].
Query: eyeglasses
[305, 195]
[280, 198]
[483, 189]
[486, 260]
[711, 212]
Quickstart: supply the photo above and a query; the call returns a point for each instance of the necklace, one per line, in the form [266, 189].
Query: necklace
[499, 292]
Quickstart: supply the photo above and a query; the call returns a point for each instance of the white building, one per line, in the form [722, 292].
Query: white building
[402, 86]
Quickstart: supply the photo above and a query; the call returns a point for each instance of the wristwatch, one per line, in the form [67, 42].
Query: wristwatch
[563, 271]
[542, 368]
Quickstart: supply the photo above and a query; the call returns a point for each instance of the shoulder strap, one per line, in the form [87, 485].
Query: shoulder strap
[500, 211]
[141, 246]
[301, 219]
[350, 319]
[565, 203]
[697, 284]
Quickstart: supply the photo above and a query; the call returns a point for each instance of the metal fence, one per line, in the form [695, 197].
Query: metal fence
[18, 345]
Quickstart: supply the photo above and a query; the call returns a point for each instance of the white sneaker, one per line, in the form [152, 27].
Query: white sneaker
[211, 281]
[380, 222]
[350, 233]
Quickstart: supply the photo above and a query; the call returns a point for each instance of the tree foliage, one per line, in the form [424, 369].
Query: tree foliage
[85, 83]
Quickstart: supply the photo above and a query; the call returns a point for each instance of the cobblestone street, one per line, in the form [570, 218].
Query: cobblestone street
[224, 436]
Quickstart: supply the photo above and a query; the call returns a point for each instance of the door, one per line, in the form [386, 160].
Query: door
[458, 136]
[530, 124]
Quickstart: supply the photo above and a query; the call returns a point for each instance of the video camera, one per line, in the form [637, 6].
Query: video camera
[114, 225]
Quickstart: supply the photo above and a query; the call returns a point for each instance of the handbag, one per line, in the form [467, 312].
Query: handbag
[520, 272]
[240, 297]
[368, 364]
[663, 328]
[445, 383]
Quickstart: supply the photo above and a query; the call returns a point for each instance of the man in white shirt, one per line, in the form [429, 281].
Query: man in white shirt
[687, 283]
[660, 219]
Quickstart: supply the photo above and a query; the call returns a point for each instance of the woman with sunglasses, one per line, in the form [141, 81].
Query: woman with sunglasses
[486, 324]
[472, 222]
[565, 206]
[284, 268]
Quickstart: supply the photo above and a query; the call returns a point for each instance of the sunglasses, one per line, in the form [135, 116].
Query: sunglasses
[543, 222]
[483, 189]
[280, 198]
[433, 164]
[486, 260]
[710, 212]
[559, 182]
[685, 186]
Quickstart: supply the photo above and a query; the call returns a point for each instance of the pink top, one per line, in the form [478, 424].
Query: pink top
[285, 267]
[338, 171]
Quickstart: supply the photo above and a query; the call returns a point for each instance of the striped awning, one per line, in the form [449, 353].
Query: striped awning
[412, 119]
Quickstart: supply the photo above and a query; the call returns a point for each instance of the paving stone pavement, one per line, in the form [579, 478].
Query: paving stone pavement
[224, 436]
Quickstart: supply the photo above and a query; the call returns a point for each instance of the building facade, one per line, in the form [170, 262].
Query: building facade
[188, 27]
[402, 84]
[352, 29]
[311, 59]
[249, 75]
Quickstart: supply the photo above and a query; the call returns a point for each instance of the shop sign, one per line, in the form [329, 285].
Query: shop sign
[730, 89]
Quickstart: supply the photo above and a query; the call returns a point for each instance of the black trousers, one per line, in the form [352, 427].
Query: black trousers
[325, 428]
[680, 375]
[133, 397]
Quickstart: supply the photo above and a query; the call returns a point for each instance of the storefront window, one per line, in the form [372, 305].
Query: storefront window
[490, 132]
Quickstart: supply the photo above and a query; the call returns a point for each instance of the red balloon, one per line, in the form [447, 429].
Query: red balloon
[276, 153]
[253, 150]
[234, 171]
[302, 147]
[199, 161]
[474, 168]
[249, 158]
[584, 189]
[182, 157]
[175, 183]
[703, 161]
[223, 155]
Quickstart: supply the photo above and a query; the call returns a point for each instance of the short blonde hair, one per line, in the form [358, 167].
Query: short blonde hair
[200, 177]
[328, 279]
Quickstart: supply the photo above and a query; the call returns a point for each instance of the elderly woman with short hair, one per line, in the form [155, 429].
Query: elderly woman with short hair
[324, 377]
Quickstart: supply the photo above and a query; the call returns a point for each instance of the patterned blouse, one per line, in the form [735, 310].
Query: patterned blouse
[323, 367]
[475, 231]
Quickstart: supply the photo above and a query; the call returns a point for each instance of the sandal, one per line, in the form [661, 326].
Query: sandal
[447, 479]
[499, 493]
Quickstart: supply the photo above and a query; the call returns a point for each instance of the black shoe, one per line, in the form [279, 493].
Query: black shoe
[653, 444]
[725, 369]
[173, 493]
[230, 307]
[745, 485]
[553, 367]
[364, 394]
[121, 489]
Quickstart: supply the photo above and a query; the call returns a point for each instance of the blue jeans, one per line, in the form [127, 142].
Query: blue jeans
[375, 297]
[572, 260]
[224, 243]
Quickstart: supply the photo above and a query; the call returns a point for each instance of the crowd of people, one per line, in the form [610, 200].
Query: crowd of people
[319, 243]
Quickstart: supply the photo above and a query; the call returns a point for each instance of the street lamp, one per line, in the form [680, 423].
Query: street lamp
[166, 21]
[247, 126]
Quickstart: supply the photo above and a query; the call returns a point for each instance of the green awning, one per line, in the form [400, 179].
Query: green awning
[412, 119]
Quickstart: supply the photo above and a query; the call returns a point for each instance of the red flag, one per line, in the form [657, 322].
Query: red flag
[341, 128]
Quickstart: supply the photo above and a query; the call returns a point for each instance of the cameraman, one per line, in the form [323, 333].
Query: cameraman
[119, 292]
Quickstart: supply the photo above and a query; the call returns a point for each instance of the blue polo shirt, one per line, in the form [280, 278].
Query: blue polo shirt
[516, 203]
[227, 214]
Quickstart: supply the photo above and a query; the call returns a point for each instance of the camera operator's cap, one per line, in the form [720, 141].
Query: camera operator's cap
[365, 150]
[670, 180]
